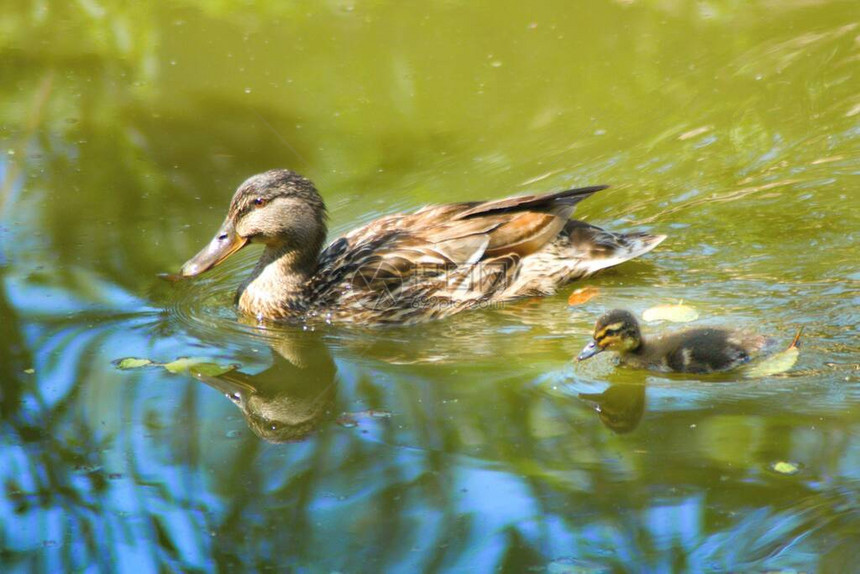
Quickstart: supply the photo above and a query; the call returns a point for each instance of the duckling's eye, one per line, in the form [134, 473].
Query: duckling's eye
[259, 202]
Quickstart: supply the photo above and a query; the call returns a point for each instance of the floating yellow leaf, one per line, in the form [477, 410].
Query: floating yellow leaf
[675, 313]
[131, 363]
[785, 467]
[776, 363]
[582, 295]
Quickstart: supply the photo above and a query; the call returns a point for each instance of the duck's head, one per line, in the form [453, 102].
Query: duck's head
[278, 208]
[617, 330]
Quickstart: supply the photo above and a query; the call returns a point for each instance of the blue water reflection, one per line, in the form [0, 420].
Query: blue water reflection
[156, 469]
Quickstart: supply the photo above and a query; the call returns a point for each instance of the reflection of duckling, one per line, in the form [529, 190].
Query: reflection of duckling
[620, 407]
[289, 399]
[704, 350]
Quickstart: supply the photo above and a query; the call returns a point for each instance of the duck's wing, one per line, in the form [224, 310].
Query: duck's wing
[540, 203]
[520, 225]
[460, 252]
[460, 233]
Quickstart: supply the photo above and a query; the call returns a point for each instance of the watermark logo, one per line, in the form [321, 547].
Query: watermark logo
[382, 281]
[384, 285]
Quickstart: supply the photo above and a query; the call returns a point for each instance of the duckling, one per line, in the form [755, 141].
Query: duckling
[704, 350]
[406, 267]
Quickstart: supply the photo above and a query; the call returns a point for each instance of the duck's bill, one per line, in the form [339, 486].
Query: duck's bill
[589, 351]
[225, 243]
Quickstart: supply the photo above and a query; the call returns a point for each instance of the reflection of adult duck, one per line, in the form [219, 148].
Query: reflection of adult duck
[620, 407]
[289, 399]
[405, 268]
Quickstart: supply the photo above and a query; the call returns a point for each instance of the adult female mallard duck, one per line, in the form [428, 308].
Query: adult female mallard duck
[703, 350]
[406, 267]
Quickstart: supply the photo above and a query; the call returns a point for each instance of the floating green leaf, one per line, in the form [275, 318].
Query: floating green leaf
[210, 369]
[202, 365]
[193, 365]
[132, 363]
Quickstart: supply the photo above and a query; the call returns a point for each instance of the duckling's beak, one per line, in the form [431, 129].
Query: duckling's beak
[225, 243]
[589, 351]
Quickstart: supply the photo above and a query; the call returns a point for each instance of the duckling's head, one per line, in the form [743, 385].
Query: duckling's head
[617, 330]
[278, 208]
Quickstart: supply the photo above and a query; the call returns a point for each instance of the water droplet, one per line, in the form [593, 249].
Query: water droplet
[247, 90]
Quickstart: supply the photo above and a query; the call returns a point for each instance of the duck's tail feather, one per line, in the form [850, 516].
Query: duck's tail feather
[579, 251]
[597, 249]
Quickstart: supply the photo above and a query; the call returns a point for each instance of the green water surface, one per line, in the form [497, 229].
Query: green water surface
[473, 444]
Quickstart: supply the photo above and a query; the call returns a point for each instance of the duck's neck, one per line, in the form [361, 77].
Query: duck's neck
[276, 287]
[635, 347]
[637, 355]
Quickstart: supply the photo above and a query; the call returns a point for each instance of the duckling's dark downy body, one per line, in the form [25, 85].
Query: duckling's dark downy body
[696, 351]
[703, 350]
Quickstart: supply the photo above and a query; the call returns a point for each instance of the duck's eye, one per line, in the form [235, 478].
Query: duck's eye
[259, 202]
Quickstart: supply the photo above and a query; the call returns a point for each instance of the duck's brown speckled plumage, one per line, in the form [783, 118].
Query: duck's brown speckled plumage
[404, 268]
